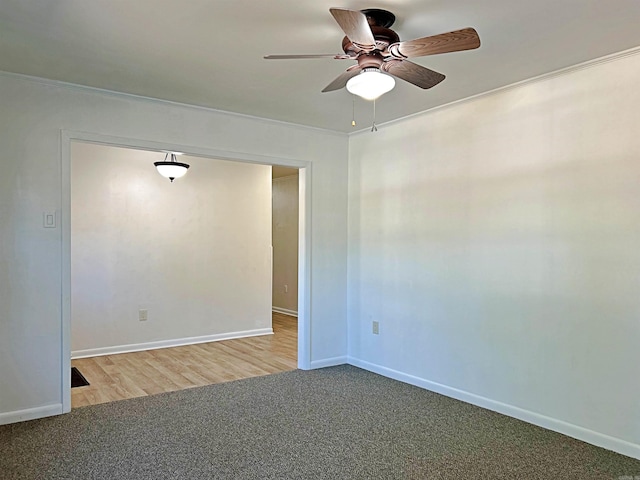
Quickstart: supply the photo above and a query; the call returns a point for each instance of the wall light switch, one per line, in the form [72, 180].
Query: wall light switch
[376, 327]
[143, 315]
[49, 219]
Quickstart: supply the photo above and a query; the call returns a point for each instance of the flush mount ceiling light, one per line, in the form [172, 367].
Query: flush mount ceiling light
[171, 169]
[370, 84]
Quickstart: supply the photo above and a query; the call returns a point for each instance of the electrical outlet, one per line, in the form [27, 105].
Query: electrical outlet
[376, 327]
[142, 315]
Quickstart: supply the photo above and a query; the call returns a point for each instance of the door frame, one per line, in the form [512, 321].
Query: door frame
[304, 232]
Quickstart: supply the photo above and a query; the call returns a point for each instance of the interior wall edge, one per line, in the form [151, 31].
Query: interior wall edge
[575, 431]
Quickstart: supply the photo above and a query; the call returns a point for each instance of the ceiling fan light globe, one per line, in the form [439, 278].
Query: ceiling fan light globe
[371, 84]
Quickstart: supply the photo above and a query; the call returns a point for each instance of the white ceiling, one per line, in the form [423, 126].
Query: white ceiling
[209, 52]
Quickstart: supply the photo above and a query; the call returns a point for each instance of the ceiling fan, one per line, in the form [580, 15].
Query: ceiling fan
[378, 49]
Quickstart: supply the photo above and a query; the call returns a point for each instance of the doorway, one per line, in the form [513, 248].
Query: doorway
[285, 205]
[303, 270]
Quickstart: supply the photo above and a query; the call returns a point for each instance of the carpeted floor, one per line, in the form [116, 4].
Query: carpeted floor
[333, 423]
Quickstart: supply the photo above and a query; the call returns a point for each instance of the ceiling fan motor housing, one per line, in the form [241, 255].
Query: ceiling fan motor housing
[382, 35]
[370, 60]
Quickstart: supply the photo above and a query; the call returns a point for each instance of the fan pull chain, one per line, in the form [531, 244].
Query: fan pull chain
[373, 126]
[353, 112]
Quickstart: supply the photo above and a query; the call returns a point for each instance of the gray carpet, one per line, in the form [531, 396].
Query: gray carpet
[333, 423]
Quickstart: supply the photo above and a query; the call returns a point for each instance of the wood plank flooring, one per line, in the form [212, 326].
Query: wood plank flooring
[129, 375]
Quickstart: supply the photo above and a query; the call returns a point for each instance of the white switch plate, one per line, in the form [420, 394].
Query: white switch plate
[143, 314]
[49, 219]
[375, 327]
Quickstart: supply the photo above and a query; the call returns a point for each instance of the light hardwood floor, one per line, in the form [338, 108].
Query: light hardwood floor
[129, 375]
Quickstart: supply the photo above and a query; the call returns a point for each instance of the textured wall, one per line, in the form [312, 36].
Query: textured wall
[196, 253]
[496, 242]
[34, 117]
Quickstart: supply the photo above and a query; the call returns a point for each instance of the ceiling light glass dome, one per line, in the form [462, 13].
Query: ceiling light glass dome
[171, 169]
[370, 84]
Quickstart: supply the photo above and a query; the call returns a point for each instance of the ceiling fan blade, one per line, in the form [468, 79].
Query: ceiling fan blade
[413, 73]
[340, 56]
[355, 26]
[342, 80]
[465, 39]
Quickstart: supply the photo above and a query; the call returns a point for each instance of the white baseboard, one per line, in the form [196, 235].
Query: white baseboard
[30, 413]
[575, 431]
[284, 311]
[329, 362]
[137, 347]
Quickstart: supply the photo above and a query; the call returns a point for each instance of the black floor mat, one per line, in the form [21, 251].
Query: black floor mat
[77, 379]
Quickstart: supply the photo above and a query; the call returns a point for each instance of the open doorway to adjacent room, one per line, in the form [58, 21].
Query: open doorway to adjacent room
[285, 213]
[172, 284]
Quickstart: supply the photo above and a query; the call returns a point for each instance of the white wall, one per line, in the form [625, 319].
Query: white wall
[196, 253]
[34, 114]
[497, 243]
[285, 243]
